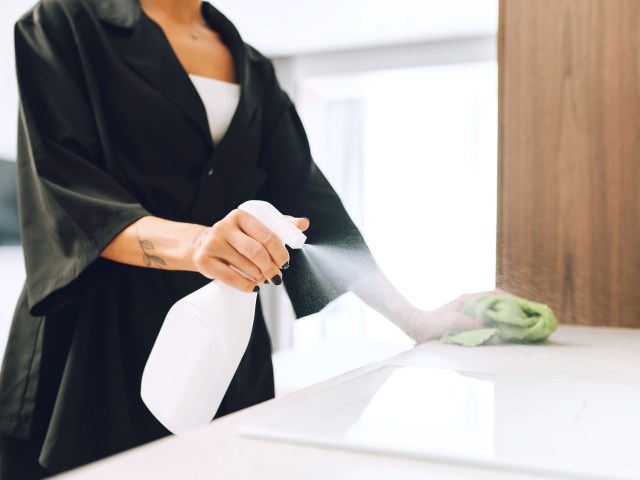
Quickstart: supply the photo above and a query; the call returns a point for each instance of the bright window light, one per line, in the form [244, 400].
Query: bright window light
[413, 154]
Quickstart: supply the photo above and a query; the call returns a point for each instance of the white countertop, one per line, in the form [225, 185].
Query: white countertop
[218, 451]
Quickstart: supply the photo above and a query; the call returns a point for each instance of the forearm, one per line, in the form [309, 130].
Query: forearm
[377, 291]
[156, 243]
[420, 325]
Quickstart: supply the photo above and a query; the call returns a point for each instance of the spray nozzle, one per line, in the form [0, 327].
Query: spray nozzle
[276, 222]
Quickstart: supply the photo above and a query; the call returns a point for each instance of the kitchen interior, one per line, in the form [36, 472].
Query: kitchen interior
[501, 139]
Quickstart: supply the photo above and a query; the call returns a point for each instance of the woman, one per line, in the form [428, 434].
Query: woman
[142, 127]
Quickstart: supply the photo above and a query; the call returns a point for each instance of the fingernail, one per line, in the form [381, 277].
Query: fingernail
[256, 289]
[285, 266]
[276, 280]
[266, 282]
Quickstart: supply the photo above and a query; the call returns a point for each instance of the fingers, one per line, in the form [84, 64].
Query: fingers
[238, 261]
[216, 269]
[460, 302]
[499, 291]
[264, 238]
[257, 254]
[242, 242]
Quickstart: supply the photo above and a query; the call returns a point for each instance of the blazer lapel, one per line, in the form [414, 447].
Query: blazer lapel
[149, 53]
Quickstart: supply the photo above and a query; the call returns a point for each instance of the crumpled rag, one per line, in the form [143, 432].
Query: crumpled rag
[508, 320]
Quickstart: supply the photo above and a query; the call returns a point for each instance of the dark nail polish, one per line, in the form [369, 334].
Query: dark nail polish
[266, 282]
[256, 289]
[276, 280]
[285, 266]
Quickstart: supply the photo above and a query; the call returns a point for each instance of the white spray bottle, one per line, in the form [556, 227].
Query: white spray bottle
[202, 341]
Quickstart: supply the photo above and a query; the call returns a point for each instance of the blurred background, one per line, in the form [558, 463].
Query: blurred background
[399, 100]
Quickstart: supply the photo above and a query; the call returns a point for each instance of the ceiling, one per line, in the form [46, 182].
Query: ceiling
[292, 27]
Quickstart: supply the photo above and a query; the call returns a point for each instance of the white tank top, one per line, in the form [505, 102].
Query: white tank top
[220, 101]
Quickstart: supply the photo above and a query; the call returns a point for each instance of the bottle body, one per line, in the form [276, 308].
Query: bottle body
[198, 349]
[202, 341]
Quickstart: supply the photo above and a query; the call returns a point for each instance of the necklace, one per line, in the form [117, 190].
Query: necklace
[195, 34]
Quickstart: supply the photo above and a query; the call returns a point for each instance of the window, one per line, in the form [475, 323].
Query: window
[413, 154]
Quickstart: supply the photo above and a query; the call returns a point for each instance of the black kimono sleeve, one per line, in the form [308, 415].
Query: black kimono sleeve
[297, 187]
[70, 207]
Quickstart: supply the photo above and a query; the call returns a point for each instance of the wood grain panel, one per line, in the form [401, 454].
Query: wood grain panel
[569, 157]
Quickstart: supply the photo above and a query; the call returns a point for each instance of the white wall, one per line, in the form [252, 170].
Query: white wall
[11, 264]
[293, 70]
[10, 11]
[12, 277]
[281, 28]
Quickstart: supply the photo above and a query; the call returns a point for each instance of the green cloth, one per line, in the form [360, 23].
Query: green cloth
[508, 320]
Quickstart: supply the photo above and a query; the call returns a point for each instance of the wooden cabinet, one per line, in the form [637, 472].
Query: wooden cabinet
[569, 157]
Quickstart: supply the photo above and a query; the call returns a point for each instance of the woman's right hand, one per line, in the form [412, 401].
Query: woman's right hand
[241, 242]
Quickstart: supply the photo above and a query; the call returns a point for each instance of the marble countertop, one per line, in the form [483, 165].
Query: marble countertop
[219, 451]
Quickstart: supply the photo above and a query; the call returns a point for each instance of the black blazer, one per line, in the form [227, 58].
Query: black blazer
[111, 129]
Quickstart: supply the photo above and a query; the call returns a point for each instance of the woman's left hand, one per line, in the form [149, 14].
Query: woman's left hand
[428, 325]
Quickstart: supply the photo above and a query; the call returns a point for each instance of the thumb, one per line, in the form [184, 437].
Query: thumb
[465, 322]
[302, 223]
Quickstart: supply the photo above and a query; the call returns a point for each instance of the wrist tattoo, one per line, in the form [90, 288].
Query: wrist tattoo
[152, 261]
[198, 238]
